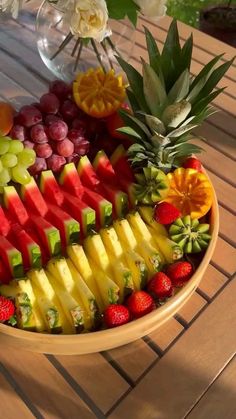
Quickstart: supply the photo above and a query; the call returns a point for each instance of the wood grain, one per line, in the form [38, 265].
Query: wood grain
[224, 257]
[191, 309]
[166, 334]
[212, 281]
[11, 404]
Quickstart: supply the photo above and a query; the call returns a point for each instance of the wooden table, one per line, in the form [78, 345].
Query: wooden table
[185, 369]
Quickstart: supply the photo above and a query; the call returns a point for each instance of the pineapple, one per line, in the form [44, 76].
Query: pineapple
[147, 215]
[171, 250]
[168, 103]
[109, 290]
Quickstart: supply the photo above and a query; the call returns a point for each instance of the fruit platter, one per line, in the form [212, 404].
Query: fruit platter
[108, 220]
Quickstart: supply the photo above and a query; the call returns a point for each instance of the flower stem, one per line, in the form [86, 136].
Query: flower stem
[103, 44]
[98, 55]
[75, 47]
[62, 45]
[112, 46]
[78, 55]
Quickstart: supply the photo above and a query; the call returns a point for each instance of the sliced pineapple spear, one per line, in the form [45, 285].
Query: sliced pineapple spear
[103, 258]
[109, 290]
[48, 302]
[150, 254]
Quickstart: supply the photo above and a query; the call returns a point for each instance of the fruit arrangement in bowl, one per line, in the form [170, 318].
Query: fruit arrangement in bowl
[115, 226]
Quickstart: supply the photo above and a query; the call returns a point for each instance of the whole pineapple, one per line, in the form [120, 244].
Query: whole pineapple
[168, 103]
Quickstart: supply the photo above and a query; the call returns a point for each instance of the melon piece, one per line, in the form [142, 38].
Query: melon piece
[4, 223]
[87, 174]
[129, 188]
[14, 205]
[35, 237]
[29, 249]
[69, 228]
[102, 207]
[121, 165]
[70, 180]
[50, 188]
[118, 198]
[33, 198]
[104, 169]
[81, 212]
[5, 274]
[48, 234]
[11, 257]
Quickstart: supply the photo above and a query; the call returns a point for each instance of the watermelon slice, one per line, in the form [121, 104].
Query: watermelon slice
[102, 207]
[104, 169]
[48, 234]
[11, 257]
[50, 188]
[87, 174]
[29, 249]
[14, 205]
[85, 215]
[5, 274]
[121, 165]
[70, 180]
[35, 237]
[33, 198]
[69, 228]
[119, 200]
[4, 223]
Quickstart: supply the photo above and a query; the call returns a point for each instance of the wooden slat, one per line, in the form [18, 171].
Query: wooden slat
[11, 404]
[134, 359]
[96, 376]
[224, 122]
[166, 334]
[44, 386]
[218, 139]
[182, 376]
[225, 257]
[225, 193]
[227, 225]
[219, 401]
[212, 281]
[191, 309]
[15, 94]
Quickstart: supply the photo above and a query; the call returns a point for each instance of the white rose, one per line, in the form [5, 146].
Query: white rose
[89, 19]
[152, 8]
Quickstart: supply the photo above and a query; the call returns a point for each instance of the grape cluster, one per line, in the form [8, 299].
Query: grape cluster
[14, 161]
[54, 128]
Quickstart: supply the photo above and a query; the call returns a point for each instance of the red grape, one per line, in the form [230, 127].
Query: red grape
[49, 119]
[81, 146]
[58, 130]
[65, 148]
[49, 103]
[36, 105]
[29, 116]
[69, 110]
[18, 132]
[74, 158]
[43, 150]
[75, 134]
[38, 134]
[56, 162]
[39, 165]
[28, 144]
[60, 89]
[79, 124]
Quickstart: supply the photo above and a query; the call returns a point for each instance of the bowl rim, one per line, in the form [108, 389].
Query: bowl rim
[139, 327]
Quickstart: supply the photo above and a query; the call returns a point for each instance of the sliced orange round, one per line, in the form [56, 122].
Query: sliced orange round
[190, 191]
[6, 118]
[97, 93]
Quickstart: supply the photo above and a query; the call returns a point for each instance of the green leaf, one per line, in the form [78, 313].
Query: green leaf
[132, 100]
[129, 131]
[136, 83]
[171, 55]
[188, 149]
[120, 9]
[206, 71]
[154, 55]
[155, 124]
[200, 106]
[154, 91]
[186, 53]
[182, 130]
[180, 89]
[134, 123]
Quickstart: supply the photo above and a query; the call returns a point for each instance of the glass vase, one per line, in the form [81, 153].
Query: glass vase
[62, 52]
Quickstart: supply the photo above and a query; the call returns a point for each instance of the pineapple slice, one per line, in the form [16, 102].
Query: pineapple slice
[95, 249]
[125, 233]
[73, 311]
[24, 312]
[147, 216]
[40, 281]
[171, 250]
[48, 311]
[138, 268]
[87, 297]
[151, 256]
[108, 288]
[79, 259]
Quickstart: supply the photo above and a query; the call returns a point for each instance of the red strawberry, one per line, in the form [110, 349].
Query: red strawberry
[166, 213]
[179, 273]
[7, 309]
[160, 286]
[193, 163]
[116, 315]
[140, 303]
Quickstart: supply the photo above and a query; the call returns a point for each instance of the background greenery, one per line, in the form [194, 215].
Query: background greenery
[188, 10]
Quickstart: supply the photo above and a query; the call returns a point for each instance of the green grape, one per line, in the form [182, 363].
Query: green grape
[4, 145]
[5, 176]
[26, 157]
[2, 188]
[1, 165]
[16, 147]
[20, 174]
[9, 160]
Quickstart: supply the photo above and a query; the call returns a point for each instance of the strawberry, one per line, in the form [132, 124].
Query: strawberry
[140, 303]
[116, 315]
[160, 286]
[7, 309]
[166, 213]
[192, 163]
[179, 273]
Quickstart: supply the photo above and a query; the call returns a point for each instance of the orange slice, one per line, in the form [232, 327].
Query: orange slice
[190, 191]
[97, 93]
[6, 118]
